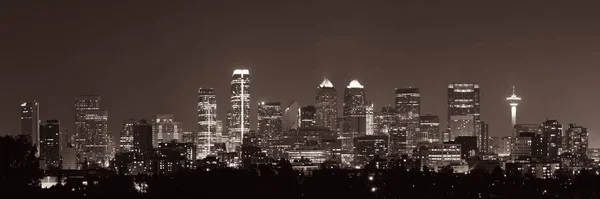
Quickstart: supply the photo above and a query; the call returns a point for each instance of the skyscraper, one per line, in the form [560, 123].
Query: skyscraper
[30, 123]
[326, 105]
[429, 128]
[463, 101]
[126, 136]
[50, 143]
[552, 133]
[483, 136]
[165, 129]
[240, 106]
[513, 101]
[91, 130]
[354, 113]
[408, 108]
[207, 122]
[576, 140]
[142, 139]
[269, 126]
[308, 116]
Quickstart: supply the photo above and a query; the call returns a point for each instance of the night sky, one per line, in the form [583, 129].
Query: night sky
[145, 58]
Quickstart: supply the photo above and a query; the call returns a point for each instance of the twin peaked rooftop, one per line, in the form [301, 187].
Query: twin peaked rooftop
[327, 84]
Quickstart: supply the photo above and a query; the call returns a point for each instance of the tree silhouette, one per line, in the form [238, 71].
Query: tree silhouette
[19, 168]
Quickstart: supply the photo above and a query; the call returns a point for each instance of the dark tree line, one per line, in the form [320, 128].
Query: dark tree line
[19, 176]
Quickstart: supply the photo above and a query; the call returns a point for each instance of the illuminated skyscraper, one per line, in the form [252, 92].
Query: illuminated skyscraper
[576, 140]
[240, 106]
[269, 126]
[308, 116]
[354, 114]
[463, 101]
[126, 136]
[165, 129]
[513, 101]
[30, 122]
[552, 134]
[326, 105]
[207, 122]
[408, 108]
[91, 133]
[50, 143]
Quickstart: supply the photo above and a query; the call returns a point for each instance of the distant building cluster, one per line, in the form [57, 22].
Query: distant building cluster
[310, 136]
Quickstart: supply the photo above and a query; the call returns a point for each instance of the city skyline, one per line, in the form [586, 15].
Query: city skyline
[341, 50]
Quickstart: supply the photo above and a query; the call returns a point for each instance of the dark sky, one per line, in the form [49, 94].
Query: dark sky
[146, 57]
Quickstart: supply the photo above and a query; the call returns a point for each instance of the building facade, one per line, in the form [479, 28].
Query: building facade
[126, 136]
[91, 130]
[240, 107]
[50, 143]
[30, 123]
[354, 114]
[552, 132]
[207, 122]
[408, 110]
[576, 140]
[326, 105]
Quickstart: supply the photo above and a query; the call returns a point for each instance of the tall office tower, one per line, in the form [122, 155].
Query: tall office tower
[142, 138]
[326, 104]
[291, 116]
[369, 119]
[463, 100]
[308, 116]
[165, 129]
[126, 137]
[552, 133]
[576, 140]
[91, 130]
[269, 126]
[398, 140]
[483, 136]
[354, 114]
[513, 101]
[207, 122]
[240, 106]
[384, 119]
[408, 108]
[50, 143]
[30, 123]
[429, 129]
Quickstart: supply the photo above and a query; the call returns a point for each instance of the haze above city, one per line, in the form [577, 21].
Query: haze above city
[146, 58]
